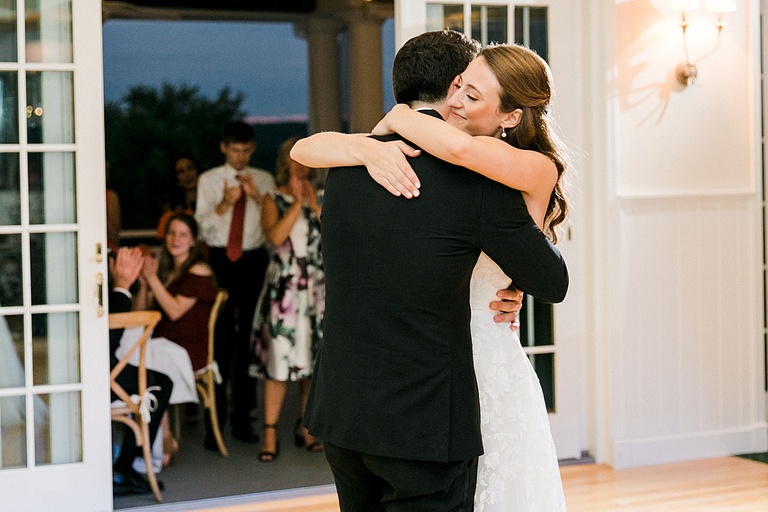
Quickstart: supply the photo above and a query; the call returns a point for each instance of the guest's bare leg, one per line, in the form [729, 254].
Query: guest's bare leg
[274, 396]
[313, 444]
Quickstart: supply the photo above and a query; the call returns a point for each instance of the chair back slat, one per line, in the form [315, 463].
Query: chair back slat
[221, 299]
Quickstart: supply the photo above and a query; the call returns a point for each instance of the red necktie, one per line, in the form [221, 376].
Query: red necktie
[235, 240]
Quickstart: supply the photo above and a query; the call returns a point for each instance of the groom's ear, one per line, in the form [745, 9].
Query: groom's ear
[512, 119]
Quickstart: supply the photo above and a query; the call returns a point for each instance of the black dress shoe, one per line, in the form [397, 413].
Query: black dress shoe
[210, 444]
[129, 482]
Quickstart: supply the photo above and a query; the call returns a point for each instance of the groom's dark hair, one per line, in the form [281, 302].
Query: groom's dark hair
[427, 64]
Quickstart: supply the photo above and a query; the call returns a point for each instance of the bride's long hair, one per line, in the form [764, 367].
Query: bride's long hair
[526, 84]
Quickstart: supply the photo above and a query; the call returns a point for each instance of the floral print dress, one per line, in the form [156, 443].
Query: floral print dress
[287, 327]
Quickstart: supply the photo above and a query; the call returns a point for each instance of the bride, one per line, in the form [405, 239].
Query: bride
[498, 126]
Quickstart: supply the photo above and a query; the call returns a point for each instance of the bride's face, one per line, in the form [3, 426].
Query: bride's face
[475, 102]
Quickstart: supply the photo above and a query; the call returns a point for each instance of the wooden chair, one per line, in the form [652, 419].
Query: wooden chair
[206, 378]
[129, 411]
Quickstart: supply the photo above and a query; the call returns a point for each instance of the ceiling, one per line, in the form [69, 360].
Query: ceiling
[225, 10]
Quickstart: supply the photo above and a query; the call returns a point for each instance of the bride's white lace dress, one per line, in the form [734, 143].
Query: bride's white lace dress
[519, 470]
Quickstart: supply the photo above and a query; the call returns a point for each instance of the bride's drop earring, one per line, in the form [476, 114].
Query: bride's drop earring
[503, 133]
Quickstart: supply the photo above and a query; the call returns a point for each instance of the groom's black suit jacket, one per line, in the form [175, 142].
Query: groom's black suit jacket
[394, 375]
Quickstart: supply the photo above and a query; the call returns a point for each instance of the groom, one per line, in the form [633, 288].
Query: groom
[393, 395]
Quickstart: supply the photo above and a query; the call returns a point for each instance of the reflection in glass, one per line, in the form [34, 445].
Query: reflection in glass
[441, 16]
[53, 263]
[49, 107]
[9, 107]
[55, 349]
[13, 420]
[11, 351]
[544, 364]
[10, 190]
[49, 31]
[531, 29]
[489, 24]
[8, 31]
[62, 444]
[10, 270]
[51, 188]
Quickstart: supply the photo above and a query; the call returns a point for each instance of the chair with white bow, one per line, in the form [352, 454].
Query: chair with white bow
[133, 410]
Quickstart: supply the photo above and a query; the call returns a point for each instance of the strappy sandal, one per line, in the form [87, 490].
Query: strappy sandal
[300, 439]
[267, 455]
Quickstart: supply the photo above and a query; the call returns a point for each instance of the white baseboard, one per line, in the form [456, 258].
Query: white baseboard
[690, 446]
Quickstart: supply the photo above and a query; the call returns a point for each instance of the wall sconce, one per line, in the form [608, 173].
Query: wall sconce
[686, 71]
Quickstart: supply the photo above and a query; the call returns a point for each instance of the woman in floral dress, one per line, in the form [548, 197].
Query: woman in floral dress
[288, 322]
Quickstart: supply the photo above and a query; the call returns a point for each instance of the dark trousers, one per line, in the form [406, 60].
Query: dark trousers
[243, 280]
[370, 483]
[129, 380]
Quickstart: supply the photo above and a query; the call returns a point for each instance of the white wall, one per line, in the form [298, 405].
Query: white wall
[680, 291]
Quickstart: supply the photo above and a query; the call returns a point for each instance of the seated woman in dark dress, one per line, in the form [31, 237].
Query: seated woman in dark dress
[180, 284]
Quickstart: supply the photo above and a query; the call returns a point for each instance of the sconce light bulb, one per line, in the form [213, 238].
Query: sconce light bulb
[720, 23]
[686, 73]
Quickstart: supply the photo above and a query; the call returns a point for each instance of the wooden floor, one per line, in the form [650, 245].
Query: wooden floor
[728, 484]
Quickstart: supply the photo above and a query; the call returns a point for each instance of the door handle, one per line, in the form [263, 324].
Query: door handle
[99, 298]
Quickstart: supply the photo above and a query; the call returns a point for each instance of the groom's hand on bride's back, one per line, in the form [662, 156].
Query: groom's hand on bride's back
[508, 307]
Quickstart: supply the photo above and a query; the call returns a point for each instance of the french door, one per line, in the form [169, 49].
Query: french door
[55, 450]
[549, 334]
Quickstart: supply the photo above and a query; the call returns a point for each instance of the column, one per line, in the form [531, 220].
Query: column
[365, 95]
[321, 33]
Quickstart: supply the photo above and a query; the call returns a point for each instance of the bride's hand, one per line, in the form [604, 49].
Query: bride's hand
[387, 164]
[508, 307]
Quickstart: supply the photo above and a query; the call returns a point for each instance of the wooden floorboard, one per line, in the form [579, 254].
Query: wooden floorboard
[727, 484]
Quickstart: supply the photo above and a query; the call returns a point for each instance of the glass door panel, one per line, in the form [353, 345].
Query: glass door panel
[50, 112]
[489, 24]
[9, 107]
[51, 182]
[48, 31]
[531, 29]
[8, 31]
[442, 16]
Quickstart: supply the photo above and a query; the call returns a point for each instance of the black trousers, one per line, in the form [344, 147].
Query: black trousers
[243, 280]
[370, 483]
[129, 380]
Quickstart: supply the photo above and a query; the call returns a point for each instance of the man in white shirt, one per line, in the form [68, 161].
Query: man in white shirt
[228, 211]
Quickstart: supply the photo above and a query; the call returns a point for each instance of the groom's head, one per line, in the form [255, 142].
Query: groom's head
[426, 65]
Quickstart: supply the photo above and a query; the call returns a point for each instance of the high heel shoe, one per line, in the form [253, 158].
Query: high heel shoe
[268, 455]
[300, 435]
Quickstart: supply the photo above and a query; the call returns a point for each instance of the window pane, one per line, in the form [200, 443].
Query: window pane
[11, 351]
[13, 419]
[49, 107]
[8, 31]
[10, 270]
[544, 364]
[51, 188]
[9, 107]
[55, 349]
[62, 444]
[531, 29]
[10, 190]
[49, 31]
[537, 316]
[441, 16]
[489, 24]
[53, 264]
